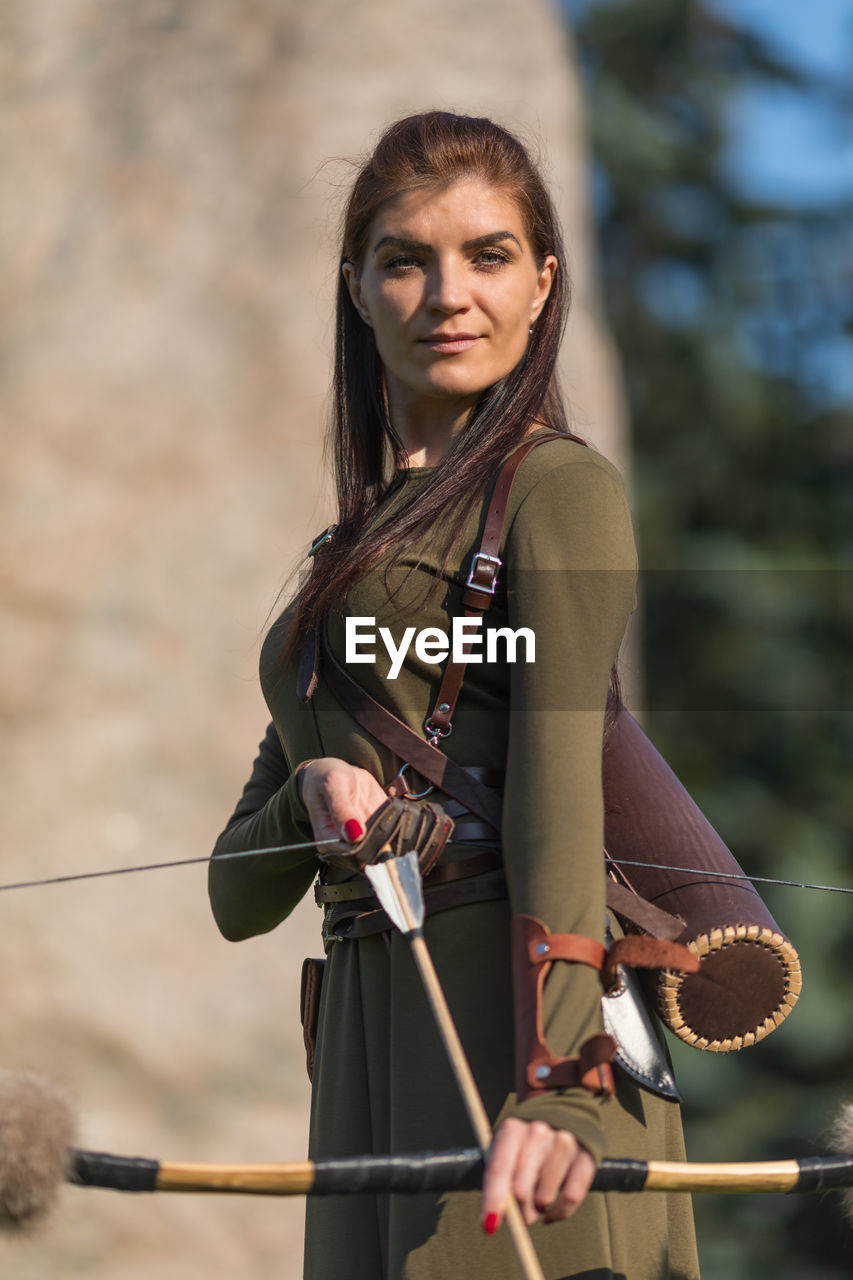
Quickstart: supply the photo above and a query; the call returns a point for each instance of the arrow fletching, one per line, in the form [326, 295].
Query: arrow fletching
[398, 886]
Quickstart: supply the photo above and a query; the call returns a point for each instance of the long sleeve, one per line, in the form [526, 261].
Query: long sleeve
[571, 579]
[253, 894]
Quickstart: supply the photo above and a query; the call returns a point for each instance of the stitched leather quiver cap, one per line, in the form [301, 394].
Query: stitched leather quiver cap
[749, 976]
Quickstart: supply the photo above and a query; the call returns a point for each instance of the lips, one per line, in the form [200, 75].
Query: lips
[450, 343]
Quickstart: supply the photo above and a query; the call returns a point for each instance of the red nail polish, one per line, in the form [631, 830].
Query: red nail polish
[490, 1226]
[353, 830]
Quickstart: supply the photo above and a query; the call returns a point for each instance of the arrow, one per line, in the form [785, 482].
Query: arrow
[398, 886]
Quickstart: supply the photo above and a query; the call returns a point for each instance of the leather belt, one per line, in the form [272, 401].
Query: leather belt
[350, 921]
[359, 889]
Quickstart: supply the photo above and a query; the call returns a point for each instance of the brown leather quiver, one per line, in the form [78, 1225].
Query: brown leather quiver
[749, 974]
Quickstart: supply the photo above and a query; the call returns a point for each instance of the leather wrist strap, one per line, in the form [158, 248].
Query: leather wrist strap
[297, 773]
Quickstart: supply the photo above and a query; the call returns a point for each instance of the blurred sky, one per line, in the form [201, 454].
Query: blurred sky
[794, 145]
[790, 145]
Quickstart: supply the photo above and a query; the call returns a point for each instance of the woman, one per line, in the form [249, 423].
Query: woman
[452, 299]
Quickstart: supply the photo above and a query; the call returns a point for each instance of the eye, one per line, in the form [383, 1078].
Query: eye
[402, 262]
[491, 259]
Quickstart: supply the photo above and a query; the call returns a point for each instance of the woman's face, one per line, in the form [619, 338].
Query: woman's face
[450, 287]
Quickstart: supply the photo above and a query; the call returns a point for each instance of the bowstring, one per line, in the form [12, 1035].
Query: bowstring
[316, 844]
[161, 866]
[733, 875]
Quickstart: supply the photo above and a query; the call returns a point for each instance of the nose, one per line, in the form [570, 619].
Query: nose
[447, 290]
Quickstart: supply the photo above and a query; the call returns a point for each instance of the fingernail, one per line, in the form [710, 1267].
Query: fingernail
[353, 830]
[490, 1225]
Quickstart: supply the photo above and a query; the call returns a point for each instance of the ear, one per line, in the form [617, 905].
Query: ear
[353, 283]
[543, 286]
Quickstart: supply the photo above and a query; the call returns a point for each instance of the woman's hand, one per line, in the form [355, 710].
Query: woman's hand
[546, 1169]
[339, 798]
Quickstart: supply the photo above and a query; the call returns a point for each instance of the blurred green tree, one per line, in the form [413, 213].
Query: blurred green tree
[734, 320]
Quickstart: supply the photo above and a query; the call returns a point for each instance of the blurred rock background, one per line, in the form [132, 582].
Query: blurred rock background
[171, 179]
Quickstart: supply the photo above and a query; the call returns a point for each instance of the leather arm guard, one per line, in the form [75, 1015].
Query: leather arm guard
[534, 950]
[401, 824]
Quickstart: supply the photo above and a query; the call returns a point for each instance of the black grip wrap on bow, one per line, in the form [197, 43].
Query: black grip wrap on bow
[455, 1170]
[117, 1173]
[614, 1174]
[823, 1173]
[430, 1171]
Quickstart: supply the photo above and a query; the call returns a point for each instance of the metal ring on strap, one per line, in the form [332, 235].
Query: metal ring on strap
[406, 794]
[435, 731]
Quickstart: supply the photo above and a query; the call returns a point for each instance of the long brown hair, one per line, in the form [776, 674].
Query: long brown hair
[432, 149]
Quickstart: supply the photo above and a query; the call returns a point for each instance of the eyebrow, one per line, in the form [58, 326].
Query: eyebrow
[479, 242]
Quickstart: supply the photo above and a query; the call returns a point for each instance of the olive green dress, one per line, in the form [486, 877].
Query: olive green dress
[381, 1081]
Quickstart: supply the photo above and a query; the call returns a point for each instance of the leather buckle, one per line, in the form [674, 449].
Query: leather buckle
[489, 565]
[329, 931]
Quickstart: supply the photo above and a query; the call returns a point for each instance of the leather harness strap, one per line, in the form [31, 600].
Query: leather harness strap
[651, 919]
[482, 577]
[431, 763]
[423, 755]
[467, 786]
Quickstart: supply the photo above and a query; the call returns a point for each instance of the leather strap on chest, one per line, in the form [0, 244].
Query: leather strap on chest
[422, 754]
[481, 581]
[431, 763]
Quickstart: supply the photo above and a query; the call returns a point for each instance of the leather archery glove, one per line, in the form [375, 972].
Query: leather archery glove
[404, 826]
